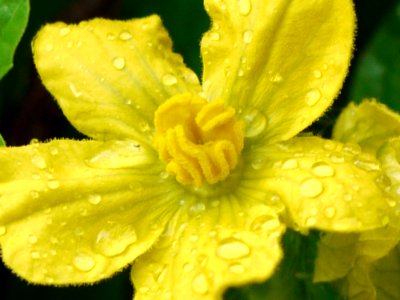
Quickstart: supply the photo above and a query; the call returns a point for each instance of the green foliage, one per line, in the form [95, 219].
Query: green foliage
[2, 142]
[377, 69]
[13, 20]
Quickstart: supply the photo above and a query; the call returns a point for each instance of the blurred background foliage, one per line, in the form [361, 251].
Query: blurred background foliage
[28, 111]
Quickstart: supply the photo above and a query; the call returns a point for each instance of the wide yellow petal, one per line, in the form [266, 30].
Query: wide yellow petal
[208, 247]
[282, 62]
[324, 184]
[369, 124]
[110, 76]
[76, 212]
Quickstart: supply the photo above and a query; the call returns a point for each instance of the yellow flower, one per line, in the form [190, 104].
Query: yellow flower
[193, 183]
[367, 264]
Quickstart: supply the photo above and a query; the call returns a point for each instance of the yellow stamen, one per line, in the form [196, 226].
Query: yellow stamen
[199, 140]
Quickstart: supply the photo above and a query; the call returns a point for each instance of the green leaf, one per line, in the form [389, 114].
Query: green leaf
[2, 142]
[377, 69]
[13, 20]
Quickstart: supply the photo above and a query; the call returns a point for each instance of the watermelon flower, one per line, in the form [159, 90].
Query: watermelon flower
[193, 183]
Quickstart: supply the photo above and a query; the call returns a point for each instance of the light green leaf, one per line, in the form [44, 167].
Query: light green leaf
[2, 142]
[13, 20]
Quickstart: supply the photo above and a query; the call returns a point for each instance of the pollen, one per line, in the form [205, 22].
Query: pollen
[200, 141]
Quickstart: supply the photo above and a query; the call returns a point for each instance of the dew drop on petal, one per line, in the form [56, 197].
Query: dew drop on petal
[247, 36]
[53, 151]
[336, 157]
[215, 36]
[255, 123]
[232, 248]
[83, 262]
[35, 255]
[244, 7]
[114, 241]
[169, 80]
[348, 197]
[312, 97]
[290, 164]
[322, 169]
[3, 230]
[236, 268]
[39, 162]
[187, 267]
[200, 284]
[317, 73]
[125, 35]
[32, 239]
[53, 184]
[311, 221]
[330, 212]
[64, 31]
[94, 199]
[311, 187]
[264, 222]
[119, 63]
[49, 47]
[276, 78]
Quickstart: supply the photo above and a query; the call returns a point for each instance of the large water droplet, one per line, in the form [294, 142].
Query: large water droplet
[311, 187]
[255, 123]
[94, 199]
[84, 262]
[3, 230]
[247, 36]
[232, 248]
[312, 97]
[39, 162]
[214, 36]
[244, 7]
[200, 284]
[290, 164]
[119, 63]
[322, 169]
[115, 240]
[169, 79]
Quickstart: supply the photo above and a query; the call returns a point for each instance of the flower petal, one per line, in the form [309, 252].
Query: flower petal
[110, 76]
[68, 215]
[208, 247]
[324, 184]
[369, 124]
[285, 60]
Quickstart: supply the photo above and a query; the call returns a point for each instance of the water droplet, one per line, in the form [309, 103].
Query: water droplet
[169, 79]
[53, 151]
[311, 221]
[32, 239]
[336, 157]
[125, 35]
[35, 255]
[194, 238]
[236, 268]
[317, 73]
[74, 90]
[83, 262]
[255, 123]
[144, 289]
[312, 97]
[119, 63]
[240, 73]
[366, 165]
[330, 212]
[348, 197]
[53, 184]
[200, 284]
[39, 162]
[214, 36]
[311, 187]
[258, 164]
[232, 248]
[64, 31]
[111, 37]
[197, 208]
[49, 47]
[247, 36]
[244, 7]
[290, 164]
[128, 101]
[187, 268]
[322, 169]
[115, 240]
[94, 199]
[3, 230]
[351, 148]
[264, 222]
[276, 78]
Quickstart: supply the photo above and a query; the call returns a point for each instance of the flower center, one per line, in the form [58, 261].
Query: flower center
[200, 141]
